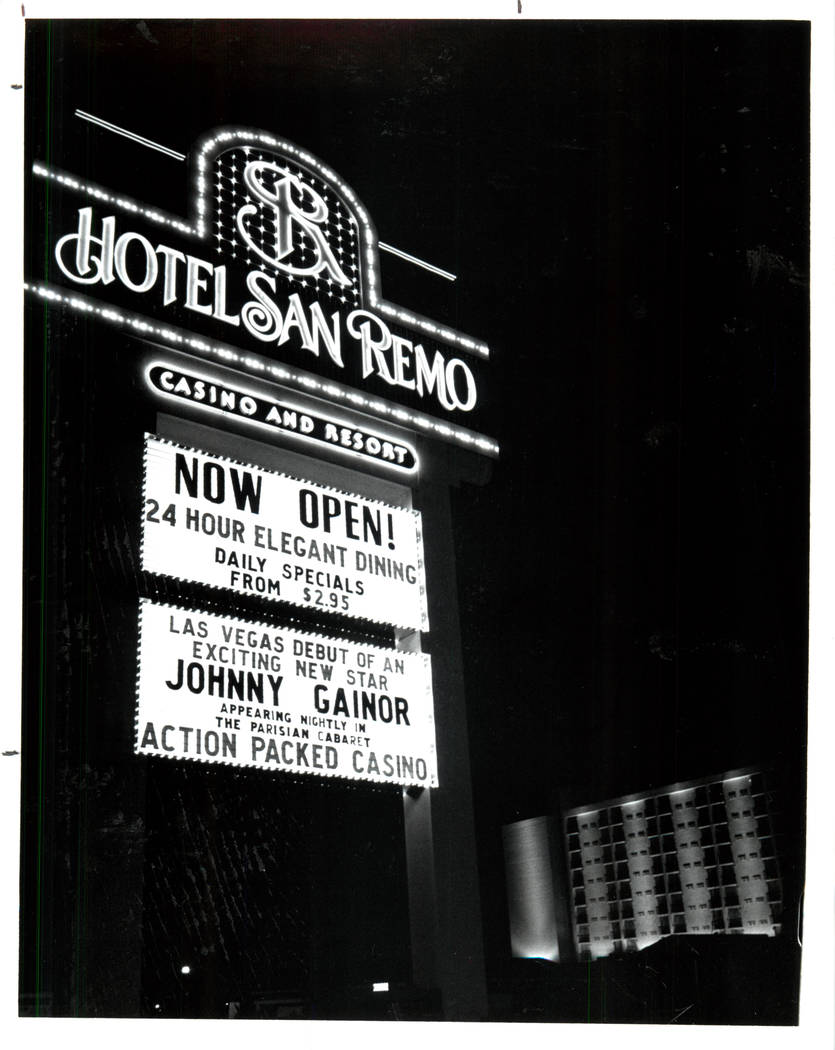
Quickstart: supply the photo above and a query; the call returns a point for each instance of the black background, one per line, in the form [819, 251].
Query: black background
[625, 206]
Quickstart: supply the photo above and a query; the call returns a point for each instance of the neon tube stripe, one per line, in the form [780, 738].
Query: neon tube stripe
[129, 135]
[418, 262]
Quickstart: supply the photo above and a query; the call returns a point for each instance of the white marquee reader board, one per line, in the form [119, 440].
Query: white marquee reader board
[225, 690]
[216, 521]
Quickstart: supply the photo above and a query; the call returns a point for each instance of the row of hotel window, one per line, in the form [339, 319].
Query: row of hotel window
[695, 859]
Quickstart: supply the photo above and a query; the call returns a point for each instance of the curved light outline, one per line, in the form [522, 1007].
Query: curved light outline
[221, 139]
[318, 442]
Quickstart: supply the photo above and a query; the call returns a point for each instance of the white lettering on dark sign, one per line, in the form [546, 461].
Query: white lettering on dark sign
[96, 252]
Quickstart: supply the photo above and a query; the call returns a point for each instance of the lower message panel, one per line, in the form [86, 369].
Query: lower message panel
[225, 690]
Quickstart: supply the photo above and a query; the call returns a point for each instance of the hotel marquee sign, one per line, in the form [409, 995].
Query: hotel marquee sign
[277, 272]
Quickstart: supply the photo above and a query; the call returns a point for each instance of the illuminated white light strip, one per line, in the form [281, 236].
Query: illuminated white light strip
[129, 135]
[458, 435]
[110, 198]
[414, 259]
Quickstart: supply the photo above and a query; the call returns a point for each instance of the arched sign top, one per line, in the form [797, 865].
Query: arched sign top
[305, 220]
[271, 205]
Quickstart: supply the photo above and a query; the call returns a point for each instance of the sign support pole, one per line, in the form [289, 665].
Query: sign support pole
[444, 896]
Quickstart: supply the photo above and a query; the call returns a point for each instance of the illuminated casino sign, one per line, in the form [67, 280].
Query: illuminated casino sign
[220, 689]
[221, 523]
[276, 272]
[186, 386]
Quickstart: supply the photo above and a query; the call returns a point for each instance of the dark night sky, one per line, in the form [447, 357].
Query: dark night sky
[625, 206]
